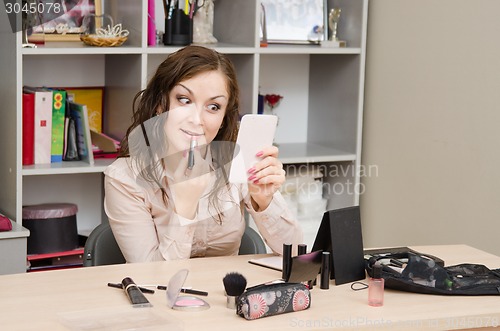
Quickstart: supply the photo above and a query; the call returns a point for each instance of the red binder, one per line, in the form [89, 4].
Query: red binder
[28, 128]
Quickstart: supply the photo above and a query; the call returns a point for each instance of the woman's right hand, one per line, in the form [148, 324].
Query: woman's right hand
[188, 185]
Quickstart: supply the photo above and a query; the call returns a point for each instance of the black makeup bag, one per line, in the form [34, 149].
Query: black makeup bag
[412, 271]
[273, 299]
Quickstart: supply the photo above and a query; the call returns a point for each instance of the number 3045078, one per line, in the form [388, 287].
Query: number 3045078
[34, 8]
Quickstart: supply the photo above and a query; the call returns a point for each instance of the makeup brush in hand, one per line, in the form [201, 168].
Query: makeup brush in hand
[235, 284]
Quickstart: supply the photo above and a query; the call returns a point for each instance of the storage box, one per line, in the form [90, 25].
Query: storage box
[52, 227]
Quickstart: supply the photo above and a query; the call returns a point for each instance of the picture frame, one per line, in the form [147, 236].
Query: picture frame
[295, 21]
[75, 10]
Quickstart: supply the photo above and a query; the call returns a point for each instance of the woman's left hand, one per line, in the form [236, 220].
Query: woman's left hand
[265, 178]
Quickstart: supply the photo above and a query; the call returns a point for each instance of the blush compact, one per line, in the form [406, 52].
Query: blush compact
[190, 303]
[183, 302]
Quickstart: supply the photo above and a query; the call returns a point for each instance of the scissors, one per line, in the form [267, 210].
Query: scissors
[194, 6]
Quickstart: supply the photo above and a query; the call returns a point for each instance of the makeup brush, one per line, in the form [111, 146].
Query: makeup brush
[235, 284]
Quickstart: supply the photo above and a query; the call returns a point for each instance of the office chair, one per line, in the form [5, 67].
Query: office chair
[251, 243]
[101, 247]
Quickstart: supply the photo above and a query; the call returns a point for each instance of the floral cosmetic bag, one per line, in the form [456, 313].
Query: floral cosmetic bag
[273, 299]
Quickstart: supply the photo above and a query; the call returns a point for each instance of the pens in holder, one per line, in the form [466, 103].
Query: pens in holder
[165, 8]
[191, 9]
[178, 24]
[192, 146]
[171, 7]
[185, 290]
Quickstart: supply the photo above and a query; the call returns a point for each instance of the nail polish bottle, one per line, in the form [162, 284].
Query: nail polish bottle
[376, 287]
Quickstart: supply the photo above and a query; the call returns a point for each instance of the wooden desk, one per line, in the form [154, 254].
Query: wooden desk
[42, 301]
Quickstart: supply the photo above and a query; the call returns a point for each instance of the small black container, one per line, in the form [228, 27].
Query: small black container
[178, 29]
[52, 227]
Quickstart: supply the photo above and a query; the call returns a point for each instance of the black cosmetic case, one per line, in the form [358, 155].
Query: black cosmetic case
[421, 273]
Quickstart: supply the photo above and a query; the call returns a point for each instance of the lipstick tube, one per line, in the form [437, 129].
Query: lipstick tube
[301, 249]
[287, 261]
[325, 271]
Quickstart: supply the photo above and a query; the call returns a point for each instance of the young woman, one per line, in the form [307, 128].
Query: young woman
[160, 206]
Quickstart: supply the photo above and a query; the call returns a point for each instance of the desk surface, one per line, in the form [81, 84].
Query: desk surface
[49, 300]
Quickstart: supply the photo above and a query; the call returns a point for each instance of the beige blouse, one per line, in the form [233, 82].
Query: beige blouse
[148, 230]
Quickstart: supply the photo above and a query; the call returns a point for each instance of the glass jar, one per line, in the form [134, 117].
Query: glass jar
[92, 23]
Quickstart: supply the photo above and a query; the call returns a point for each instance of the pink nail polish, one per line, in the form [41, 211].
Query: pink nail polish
[251, 178]
[256, 181]
[376, 287]
[260, 153]
[251, 170]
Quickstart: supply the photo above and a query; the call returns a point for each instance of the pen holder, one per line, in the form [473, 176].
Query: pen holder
[178, 29]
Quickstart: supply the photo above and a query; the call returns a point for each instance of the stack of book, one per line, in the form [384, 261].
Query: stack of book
[64, 124]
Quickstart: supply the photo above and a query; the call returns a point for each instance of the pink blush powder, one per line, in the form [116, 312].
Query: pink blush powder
[189, 302]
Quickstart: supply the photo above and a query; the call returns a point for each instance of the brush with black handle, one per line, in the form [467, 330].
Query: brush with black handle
[234, 284]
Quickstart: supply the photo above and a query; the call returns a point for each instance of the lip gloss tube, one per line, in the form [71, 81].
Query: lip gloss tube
[134, 294]
[192, 146]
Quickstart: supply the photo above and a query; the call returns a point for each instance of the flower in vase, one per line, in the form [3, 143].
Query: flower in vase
[272, 100]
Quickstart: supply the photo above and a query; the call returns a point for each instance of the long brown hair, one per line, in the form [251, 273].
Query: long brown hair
[179, 66]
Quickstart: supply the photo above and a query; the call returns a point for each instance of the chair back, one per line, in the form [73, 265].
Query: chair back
[251, 243]
[101, 247]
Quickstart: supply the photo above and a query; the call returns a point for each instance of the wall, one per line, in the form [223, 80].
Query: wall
[431, 119]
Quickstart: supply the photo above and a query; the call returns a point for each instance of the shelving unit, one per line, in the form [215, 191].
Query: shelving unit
[320, 115]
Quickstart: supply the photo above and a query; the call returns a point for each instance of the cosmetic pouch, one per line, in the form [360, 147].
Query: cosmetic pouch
[5, 224]
[427, 275]
[273, 299]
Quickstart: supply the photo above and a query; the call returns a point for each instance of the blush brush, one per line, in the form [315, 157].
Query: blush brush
[234, 284]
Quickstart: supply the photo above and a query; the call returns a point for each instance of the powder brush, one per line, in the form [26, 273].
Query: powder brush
[234, 284]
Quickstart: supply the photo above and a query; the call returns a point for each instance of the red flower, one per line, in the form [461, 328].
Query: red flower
[272, 99]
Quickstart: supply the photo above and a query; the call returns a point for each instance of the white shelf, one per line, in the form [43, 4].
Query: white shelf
[312, 153]
[17, 231]
[69, 48]
[307, 49]
[66, 167]
[226, 48]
